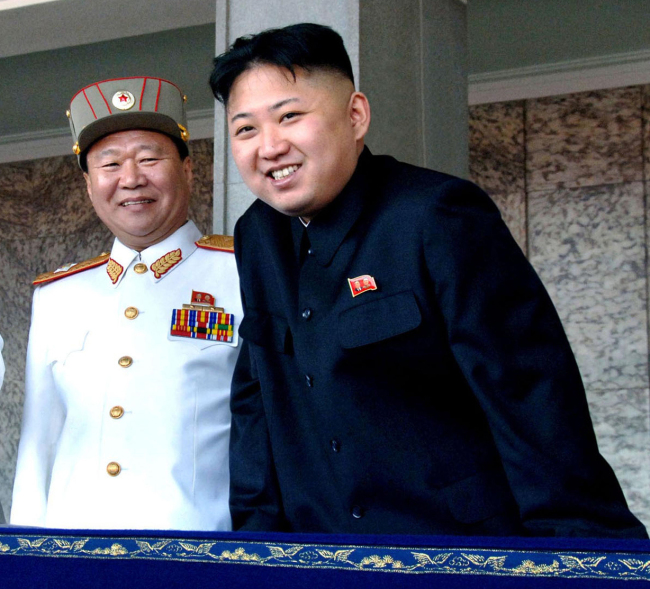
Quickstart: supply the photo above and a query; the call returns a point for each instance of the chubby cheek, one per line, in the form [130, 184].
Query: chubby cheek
[240, 153]
[245, 161]
[101, 189]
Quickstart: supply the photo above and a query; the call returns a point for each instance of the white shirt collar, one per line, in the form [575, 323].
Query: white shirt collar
[160, 258]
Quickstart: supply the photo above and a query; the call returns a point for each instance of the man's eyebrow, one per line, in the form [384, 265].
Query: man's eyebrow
[142, 147]
[273, 107]
[280, 104]
[150, 147]
[108, 151]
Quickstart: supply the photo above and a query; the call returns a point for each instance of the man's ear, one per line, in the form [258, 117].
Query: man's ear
[359, 108]
[88, 186]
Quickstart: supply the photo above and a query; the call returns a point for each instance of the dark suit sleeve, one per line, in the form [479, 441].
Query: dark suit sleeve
[254, 494]
[510, 345]
[255, 502]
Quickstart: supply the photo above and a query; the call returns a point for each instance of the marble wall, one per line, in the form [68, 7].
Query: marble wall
[570, 174]
[46, 220]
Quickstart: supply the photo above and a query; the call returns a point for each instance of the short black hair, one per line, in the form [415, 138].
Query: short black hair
[305, 45]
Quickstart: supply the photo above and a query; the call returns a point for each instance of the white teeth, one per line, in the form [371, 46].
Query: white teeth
[136, 202]
[277, 174]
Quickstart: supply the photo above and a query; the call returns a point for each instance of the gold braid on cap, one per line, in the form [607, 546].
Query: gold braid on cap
[184, 132]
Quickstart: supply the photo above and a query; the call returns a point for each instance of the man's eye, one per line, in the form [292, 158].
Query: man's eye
[290, 115]
[244, 129]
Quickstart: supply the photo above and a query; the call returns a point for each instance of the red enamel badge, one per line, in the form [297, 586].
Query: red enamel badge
[203, 298]
[362, 284]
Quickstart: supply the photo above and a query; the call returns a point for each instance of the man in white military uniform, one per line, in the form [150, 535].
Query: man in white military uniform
[126, 420]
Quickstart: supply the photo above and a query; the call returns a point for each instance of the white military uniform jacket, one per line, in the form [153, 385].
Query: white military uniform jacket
[109, 389]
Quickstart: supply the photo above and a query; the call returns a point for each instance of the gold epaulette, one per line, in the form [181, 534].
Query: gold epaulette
[69, 269]
[222, 243]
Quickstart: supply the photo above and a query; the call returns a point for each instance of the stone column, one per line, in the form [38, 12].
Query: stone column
[409, 57]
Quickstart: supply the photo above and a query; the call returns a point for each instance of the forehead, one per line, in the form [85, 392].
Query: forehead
[263, 85]
[132, 139]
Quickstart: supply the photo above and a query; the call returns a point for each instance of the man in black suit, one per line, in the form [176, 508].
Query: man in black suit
[404, 369]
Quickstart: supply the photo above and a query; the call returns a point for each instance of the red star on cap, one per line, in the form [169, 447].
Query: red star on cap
[123, 98]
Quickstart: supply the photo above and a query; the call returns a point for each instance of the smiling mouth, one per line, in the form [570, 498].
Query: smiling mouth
[283, 173]
[140, 201]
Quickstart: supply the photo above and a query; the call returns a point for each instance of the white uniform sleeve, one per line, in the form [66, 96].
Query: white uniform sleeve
[43, 417]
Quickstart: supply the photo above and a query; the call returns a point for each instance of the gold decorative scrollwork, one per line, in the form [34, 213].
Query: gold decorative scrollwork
[165, 263]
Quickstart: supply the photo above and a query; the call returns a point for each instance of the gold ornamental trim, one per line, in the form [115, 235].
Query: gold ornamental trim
[70, 269]
[221, 243]
[185, 134]
[524, 560]
[165, 263]
[114, 270]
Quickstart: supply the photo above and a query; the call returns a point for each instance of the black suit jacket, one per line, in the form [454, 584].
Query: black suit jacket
[446, 401]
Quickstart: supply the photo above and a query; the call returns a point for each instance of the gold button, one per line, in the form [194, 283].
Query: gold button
[140, 268]
[131, 312]
[117, 412]
[113, 468]
[125, 361]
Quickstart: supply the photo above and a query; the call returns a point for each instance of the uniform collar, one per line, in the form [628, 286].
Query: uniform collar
[160, 259]
[328, 228]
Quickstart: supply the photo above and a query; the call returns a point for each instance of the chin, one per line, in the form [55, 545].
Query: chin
[290, 212]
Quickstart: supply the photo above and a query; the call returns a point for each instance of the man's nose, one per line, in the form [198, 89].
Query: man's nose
[131, 176]
[273, 144]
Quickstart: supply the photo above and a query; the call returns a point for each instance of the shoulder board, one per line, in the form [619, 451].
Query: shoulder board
[222, 243]
[69, 269]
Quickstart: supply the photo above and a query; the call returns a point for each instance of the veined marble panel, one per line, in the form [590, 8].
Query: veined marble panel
[15, 303]
[513, 211]
[497, 160]
[584, 139]
[46, 253]
[645, 93]
[588, 245]
[496, 147]
[621, 420]
[11, 406]
[43, 196]
[202, 153]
